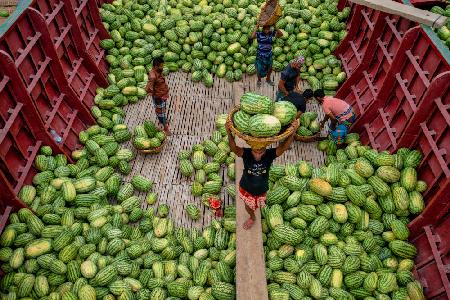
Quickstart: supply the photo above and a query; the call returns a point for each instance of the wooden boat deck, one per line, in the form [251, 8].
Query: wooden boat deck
[191, 112]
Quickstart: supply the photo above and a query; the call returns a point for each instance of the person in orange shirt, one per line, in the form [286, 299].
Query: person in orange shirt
[159, 90]
[339, 112]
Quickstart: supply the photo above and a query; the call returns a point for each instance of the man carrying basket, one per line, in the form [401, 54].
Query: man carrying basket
[254, 183]
[264, 56]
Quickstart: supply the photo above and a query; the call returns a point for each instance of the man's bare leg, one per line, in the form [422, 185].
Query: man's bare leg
[249, 223]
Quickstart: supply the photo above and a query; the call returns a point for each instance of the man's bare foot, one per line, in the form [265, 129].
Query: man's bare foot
[167, 131]
[248, 224]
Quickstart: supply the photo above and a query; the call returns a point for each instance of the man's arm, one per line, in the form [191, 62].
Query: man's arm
[282, 87]
[287, 143]
[297, 81]
[325, 119]
[328, 117]
[299, 113]
[333, 122]
[150, 85]
[253, 36]
[237, 150]
[278, 33]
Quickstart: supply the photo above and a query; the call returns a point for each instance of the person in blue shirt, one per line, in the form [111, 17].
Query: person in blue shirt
[290, 78]
[264, 56]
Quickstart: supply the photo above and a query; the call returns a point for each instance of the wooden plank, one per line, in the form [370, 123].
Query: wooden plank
[251, 281]
[409, 12]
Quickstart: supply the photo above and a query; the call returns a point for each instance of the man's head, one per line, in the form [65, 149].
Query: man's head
[319, 94]
[308, 94]
[258, 153]
[158, 63]
[297, 62]
[266, 29]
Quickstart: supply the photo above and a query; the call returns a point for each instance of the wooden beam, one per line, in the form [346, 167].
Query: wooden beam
[250, 264]
[409, 12]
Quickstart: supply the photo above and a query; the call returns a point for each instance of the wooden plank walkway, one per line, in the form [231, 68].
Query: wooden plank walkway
[251, 281]
[191, 112]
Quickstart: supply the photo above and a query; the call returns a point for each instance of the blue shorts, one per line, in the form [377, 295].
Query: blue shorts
[338, 134]
[263, 64]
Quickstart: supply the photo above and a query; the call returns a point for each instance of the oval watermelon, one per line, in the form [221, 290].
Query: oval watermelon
[264, 125]
[284, 111]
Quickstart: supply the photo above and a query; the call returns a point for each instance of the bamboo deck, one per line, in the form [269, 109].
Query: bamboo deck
[191, 112]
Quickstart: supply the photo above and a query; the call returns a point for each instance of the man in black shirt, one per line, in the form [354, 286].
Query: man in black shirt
[299, 100]
[255, 179]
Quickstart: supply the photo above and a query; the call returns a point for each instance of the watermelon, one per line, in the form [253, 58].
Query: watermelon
[241, 121]
[263, 125]
[284, 111]
[253, 104]
[193, 211]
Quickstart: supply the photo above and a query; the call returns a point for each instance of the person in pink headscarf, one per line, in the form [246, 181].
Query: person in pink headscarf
[290, 78]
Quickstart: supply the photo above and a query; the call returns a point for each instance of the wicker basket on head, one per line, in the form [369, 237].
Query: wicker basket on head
[270, 13]
[258, 142]
[153, 150]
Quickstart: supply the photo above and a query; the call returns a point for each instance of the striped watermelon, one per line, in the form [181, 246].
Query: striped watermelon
[253, 104]
[285, 111]
[264, 125]
[241, 121]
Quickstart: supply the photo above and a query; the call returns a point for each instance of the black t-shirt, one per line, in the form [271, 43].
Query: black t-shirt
[255, 178]
[289, 75]
[298, 100]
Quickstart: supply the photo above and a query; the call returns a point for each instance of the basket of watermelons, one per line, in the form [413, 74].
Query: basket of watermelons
[271, 11]
[148, 139]
[260, 122]
[309, 129]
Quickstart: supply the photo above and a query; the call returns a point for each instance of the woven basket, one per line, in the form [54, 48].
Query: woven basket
[153, 150]
[307, 139]
[270, 13]
[258, 142]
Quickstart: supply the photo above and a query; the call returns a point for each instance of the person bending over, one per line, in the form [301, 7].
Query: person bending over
[299, 100]
[339, 112]
[290, 78]
[254, 183]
